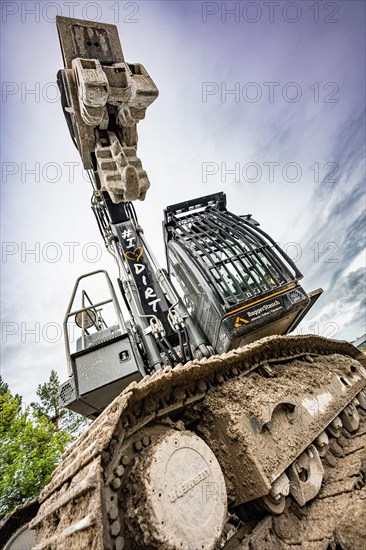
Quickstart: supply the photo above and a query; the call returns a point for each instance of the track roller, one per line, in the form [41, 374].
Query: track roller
[275, 501]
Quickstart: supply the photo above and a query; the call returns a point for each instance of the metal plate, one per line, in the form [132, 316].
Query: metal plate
[89, 40]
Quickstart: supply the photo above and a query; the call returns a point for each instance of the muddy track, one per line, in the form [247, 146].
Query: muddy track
[335, 519]
[82, 507]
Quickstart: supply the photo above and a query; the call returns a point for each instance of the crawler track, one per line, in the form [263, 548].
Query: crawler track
[333, 520]
[84, 506]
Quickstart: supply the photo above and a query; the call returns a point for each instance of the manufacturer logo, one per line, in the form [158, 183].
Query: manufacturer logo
[185, 487]
[239, 322]
[263, 309]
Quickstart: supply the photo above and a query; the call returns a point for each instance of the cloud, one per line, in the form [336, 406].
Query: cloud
[344, 311]
[335, 211]
[336, 237]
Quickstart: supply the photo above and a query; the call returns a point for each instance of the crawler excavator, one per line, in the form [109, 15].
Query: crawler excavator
[212, 426]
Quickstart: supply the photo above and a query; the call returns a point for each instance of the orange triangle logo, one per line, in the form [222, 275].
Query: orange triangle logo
[239, 322]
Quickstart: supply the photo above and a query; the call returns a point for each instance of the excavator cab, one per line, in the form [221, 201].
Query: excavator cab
[238, 284]
[228, 284]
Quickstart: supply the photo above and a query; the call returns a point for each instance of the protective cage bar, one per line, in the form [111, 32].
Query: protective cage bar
[237, 258]
[70, 312]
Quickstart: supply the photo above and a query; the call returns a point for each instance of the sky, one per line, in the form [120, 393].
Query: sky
[261, 100]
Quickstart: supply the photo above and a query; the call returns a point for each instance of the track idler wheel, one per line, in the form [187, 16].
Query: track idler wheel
[176, 495]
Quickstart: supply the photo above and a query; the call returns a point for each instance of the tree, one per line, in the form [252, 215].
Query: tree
[30, 448]
[3, 386]
[32, 441]
[63, 419]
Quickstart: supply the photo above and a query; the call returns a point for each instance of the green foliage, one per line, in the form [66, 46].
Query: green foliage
[48, 396]
[48, 406]
[32, 441]
[30, 449]
[3, 386]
